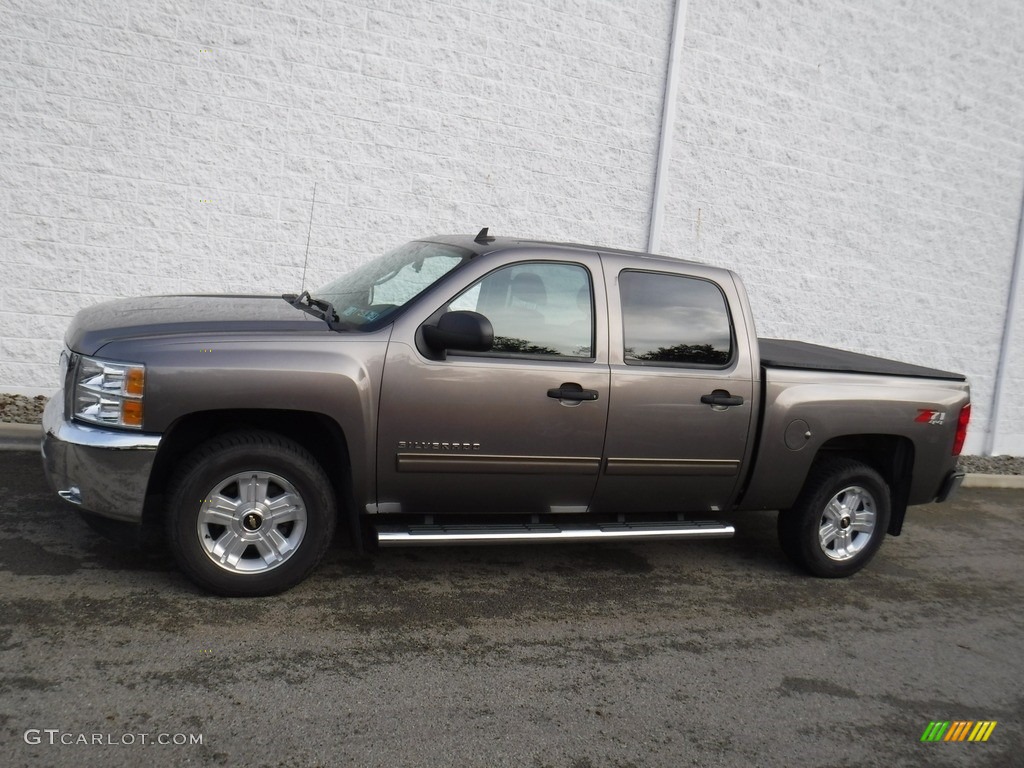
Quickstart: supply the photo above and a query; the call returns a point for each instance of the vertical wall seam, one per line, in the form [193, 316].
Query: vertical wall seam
[668, 113]
[1002, 369]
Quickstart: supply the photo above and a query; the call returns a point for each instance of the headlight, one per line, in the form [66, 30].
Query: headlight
[109, 393]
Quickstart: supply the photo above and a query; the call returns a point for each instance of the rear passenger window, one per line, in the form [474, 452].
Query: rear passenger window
[674, 320]
[537, 309]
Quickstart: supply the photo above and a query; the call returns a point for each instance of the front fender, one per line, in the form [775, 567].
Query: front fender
[335, 375]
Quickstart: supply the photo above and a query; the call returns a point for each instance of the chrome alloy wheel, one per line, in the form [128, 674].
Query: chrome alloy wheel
[847, 523]
[251, 522]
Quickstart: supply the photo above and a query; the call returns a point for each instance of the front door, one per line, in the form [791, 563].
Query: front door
[682, 394]
[519, 429]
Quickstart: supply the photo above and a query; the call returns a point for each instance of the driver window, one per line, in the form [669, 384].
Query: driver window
[537, 309]
[468, 301]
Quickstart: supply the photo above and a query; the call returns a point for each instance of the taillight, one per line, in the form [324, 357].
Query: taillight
[961, 429]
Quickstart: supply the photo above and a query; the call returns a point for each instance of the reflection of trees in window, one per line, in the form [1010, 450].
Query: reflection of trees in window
[520, 346]
[674, 320]
[699, 354]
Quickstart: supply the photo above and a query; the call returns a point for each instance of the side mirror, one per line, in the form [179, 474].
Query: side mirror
[466, 331]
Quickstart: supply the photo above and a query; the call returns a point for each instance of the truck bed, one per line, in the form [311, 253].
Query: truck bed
[779, 353]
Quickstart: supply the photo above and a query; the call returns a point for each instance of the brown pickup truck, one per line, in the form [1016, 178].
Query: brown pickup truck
[467, 390]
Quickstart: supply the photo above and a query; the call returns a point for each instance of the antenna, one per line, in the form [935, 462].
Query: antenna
[482, 237]
[305, 261]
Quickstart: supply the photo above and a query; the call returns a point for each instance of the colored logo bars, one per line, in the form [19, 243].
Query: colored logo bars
[958, 730]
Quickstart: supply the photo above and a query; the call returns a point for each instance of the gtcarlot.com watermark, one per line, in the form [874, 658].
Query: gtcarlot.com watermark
[57, 737]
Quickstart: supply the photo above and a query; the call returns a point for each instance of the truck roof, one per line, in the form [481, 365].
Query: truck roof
[490, 243]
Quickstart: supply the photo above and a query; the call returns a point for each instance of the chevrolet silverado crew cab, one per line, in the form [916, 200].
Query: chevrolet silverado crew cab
[468, 390]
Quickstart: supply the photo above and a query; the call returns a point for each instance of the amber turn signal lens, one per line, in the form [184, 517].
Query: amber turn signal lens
[135, 381]
[131, 413]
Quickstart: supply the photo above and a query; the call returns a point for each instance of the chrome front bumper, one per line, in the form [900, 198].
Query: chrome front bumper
[103, 471]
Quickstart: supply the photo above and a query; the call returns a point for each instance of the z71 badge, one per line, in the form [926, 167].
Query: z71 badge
[938, 418]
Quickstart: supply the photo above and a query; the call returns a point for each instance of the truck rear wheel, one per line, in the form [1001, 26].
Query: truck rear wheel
[250, 514]
[839, 519]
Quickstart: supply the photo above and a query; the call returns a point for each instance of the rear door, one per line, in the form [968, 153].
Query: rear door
[682, 392]
[519, 429]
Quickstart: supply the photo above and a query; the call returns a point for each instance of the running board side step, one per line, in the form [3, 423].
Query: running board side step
[437, 535]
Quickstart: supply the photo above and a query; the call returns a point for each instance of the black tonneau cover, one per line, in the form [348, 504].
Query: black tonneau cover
[778, 353]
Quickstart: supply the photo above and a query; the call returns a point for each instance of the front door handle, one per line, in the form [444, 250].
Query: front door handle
[573, 392]
[721, 397]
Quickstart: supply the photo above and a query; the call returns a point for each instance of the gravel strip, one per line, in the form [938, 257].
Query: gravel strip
[19, 409]
[29, 410]
[993, 465]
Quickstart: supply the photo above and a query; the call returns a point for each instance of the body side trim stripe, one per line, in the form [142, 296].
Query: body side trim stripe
[501, 465]
[706, 467]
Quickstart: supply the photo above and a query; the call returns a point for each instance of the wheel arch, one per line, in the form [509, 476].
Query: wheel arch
[319, 434]
[892, 456]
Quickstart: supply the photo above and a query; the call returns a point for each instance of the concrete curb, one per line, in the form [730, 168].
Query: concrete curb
[26, 437]
[20, 437]
[994, 481]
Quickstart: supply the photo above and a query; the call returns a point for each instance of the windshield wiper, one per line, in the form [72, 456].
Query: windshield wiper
[320, 308]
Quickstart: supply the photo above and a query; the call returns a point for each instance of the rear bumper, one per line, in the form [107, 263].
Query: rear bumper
[103, 471]
[950, 485]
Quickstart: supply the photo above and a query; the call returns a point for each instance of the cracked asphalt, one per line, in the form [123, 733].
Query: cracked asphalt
[709, 653]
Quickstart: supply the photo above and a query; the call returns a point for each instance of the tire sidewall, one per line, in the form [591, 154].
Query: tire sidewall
[799, 526]
[219, 461]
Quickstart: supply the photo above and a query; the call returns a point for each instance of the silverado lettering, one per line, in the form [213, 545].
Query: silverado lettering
[435, 446]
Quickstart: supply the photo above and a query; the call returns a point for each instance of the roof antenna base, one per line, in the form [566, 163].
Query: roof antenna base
[482, 237]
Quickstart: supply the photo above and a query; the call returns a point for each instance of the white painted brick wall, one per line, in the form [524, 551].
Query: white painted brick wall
[173, 146]
[1010, 435]
[860, 164]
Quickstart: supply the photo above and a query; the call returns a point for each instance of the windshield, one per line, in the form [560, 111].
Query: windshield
[370, 294]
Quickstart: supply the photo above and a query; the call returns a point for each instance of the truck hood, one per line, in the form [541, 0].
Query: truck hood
[195, 315]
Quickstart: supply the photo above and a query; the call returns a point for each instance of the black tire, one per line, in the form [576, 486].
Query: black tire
[824, 531]
[250, 514]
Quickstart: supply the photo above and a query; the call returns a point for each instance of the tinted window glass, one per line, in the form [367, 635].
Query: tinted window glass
[536, 309]
[674, 320]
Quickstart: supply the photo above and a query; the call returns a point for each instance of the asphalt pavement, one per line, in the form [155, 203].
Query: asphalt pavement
[711, 653]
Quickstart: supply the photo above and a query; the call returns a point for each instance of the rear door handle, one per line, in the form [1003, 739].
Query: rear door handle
[721, 397]
[572, 392]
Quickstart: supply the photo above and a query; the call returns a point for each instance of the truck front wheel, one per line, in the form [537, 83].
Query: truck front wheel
[250, 514]
[839, 519]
